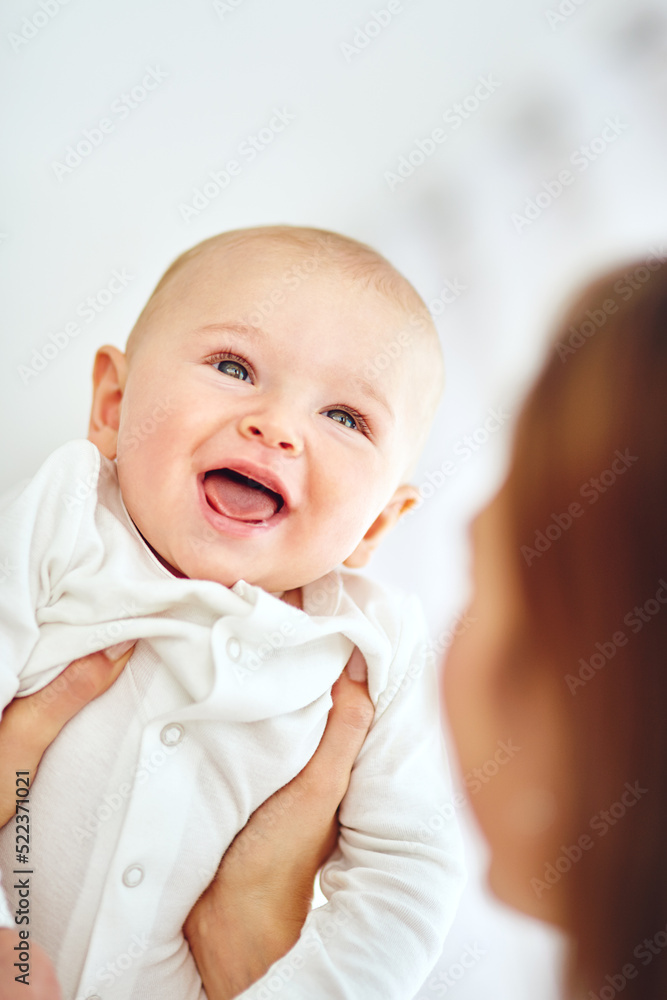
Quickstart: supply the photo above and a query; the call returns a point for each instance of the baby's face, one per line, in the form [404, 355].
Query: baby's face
[265, 452]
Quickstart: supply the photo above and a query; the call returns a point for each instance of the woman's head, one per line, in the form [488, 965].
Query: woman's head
[567, 657]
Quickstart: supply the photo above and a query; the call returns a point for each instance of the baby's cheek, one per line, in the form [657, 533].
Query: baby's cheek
[139, 464]
[343, 509]
[341, 538]
[147, 443]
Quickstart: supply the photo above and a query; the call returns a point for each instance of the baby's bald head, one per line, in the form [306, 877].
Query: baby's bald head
[301, 252]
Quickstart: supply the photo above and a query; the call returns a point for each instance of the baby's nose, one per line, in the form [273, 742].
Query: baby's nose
[272, 432]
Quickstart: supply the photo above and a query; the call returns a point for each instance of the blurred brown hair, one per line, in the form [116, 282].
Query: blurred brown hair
[603, 394]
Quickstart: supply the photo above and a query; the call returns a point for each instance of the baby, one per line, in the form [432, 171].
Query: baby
[259, 432]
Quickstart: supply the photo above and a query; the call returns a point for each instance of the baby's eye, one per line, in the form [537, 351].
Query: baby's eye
[233, 368]
[343, 417]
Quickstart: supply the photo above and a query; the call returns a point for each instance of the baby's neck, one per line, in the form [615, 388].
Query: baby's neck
[293, 597]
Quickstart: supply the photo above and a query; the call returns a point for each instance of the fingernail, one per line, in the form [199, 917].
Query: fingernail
[356, 668]
[115, 652]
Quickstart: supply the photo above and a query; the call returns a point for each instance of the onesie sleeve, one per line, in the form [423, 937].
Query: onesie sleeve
[394, 883]
[39, 525]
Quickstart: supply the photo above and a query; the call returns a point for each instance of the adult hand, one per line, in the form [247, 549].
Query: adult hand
[29, 725]
[253, 911]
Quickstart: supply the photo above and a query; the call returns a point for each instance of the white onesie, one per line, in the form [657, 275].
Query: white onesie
[223, 701]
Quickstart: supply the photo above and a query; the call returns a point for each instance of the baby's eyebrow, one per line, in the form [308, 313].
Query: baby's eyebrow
[368, 389]
[244, 329]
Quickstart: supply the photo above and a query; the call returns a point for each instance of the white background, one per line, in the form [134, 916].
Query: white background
[557, 78]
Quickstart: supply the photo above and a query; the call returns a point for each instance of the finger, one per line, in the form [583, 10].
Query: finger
[29, 725]
[352, 709]
[47, 711]
[356, 666]
[34, 722]
[349, 720]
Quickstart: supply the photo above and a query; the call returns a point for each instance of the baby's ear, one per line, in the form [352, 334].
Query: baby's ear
[404, 498]
[109, 374]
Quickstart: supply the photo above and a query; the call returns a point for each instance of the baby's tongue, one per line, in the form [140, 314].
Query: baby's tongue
[233, 495]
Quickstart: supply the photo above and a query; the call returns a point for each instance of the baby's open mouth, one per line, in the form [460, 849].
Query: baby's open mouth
[240, 497]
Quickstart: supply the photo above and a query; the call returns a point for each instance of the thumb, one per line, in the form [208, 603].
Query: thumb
[29, 725]
[46, 712]
[350, 718]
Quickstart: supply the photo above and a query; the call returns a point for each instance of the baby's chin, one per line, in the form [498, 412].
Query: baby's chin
[278, 585]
